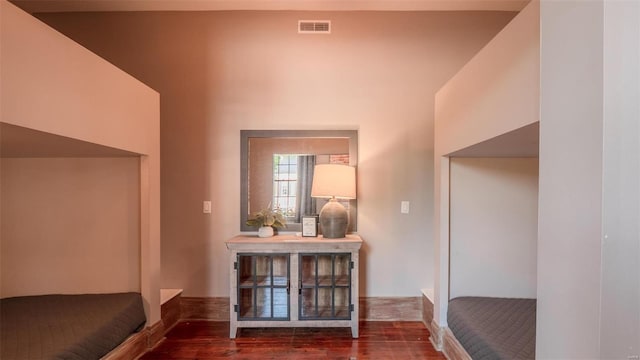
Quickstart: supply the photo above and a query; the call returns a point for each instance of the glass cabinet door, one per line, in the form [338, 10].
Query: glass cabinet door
[263, 286]
[325, 286]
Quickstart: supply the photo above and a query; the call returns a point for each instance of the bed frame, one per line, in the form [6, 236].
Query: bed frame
[140, 343]
[442, 338]
[452, 348]
[137, 344]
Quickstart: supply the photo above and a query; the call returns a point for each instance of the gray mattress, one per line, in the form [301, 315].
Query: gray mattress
[494, 328]
[81, 327]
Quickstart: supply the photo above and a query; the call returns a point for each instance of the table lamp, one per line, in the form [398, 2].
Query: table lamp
[334, 181]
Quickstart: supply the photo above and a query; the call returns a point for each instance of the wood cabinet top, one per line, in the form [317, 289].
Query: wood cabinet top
[351, 241]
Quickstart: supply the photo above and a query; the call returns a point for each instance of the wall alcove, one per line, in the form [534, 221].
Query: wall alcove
[70, 214]
[78, 156]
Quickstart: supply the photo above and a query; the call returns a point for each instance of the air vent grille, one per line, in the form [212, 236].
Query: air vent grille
[314, 27]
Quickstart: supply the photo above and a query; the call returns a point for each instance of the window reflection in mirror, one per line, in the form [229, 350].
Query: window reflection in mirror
[277, 170]
[292, 181]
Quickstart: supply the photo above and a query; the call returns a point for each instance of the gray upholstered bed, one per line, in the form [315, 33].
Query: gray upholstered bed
[67, 327]
[494, 328]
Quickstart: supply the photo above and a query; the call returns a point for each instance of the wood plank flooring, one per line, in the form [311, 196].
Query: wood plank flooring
[378, 340]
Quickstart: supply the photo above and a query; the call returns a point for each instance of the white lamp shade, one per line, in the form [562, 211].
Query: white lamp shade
[333, 180]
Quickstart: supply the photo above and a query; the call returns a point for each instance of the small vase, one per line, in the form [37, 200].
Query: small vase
[265, 231]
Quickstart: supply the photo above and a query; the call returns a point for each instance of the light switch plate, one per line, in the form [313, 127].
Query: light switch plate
[206, 207]
[404, 207]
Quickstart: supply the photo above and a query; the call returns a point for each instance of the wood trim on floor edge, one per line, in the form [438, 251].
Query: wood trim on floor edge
[452, 348]
[155, 334]
[370, 308]
[436, 335]
[137, 344]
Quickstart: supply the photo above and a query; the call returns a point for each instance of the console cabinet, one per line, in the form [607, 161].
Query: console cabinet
[291, 281]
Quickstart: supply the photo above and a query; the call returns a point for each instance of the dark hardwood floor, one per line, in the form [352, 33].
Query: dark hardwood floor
[378, 340]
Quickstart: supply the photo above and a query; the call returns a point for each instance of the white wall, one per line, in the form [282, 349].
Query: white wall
[620, 302]
[493, 94]
[69, 226]
[51, 84]
[494, 227]
[589, 236]
[571, 143]
[588, 241]
[220, 72]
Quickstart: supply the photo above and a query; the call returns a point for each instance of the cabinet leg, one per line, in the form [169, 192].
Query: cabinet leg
[354, 331]
[233, 331]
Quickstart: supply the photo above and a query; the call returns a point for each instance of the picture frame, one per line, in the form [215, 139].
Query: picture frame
[310, 226]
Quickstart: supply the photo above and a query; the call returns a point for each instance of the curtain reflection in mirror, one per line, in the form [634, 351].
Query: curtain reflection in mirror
[305, 204]
[292, 180]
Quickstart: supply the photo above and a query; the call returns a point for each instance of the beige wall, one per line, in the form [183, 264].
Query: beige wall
[220, 72]
[52, 84]
[69, 225]
[493, 94]
[494, 227]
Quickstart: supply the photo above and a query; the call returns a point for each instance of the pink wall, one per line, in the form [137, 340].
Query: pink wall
[497, 92]
[51, 84]
[70, 225]
[493, 94]
[220, 72]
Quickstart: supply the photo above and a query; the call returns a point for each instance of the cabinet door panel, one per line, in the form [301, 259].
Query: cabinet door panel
[325, 286]
[281, 270]
[245, 271]
[245, 302]
[308, 303]
[280, 303]
[342, 269]
[263, 286]
[308, 270]
[263, 270]
[341, 303]
[324, 303]
[263, 302]
[325, 265]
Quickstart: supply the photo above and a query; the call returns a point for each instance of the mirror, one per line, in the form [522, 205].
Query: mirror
[277, 169]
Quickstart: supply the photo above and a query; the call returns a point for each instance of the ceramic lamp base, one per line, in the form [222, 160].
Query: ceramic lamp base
[333, 220]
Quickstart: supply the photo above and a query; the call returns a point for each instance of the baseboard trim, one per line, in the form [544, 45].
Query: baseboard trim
[427, 311]
[204, 308]
[133, 347]
[371, 308]
[452, 348]
[390, 309]
[155, 333]
[436, 335]
[137, 344]
[170, 312]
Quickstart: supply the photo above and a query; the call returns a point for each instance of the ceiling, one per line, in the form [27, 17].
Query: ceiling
[34, 6]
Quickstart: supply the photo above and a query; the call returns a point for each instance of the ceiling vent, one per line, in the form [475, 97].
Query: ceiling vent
[314, 26]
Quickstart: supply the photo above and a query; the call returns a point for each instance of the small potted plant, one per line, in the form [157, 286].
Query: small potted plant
[267, 219]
